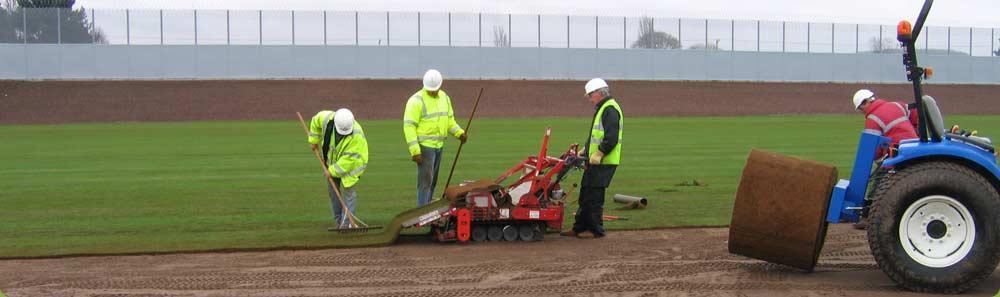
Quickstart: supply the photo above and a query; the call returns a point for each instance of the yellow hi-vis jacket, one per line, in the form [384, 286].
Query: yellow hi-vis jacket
[428, 121]
[349, 158]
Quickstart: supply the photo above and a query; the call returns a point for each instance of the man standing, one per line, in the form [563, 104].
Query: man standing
[603, 150]
[427, 121]
[345, 152]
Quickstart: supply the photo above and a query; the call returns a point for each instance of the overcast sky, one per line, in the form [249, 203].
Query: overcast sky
[975, 13]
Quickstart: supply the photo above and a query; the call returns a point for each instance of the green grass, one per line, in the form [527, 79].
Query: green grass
[157, 187]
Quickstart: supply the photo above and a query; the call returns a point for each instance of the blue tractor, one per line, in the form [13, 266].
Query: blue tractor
[932, 205]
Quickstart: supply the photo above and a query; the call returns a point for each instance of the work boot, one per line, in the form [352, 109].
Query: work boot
[860, 225]
[586, 235]
[569, 232]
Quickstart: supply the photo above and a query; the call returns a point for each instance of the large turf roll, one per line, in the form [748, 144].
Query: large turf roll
[780, 209]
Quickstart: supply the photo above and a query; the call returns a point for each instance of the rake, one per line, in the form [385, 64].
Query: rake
[354, 224]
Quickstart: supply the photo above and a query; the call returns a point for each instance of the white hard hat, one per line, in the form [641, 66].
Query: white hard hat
[594, 85]
[861, 95]
[432, 80]
[343, 121]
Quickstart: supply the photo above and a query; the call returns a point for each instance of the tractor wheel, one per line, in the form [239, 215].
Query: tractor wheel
[494, 233]
[478, 233]
[527, 232]
[934, 227]
[509, 233]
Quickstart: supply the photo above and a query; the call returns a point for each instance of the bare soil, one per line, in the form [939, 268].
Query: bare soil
[54, 102]
[667, 262]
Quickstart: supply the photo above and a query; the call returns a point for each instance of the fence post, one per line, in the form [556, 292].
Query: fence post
[857, 38]
[567, 31]
[680, 40]
[260, 27]
[732, 35]
[880, 38]
[59, 25]
[128, 27]
[706, 34]
[624, 32]
[324, 29]
[808, 37]
[597, 35]
[449, 29]
[480, 29]
[949, 40]
[93, 38]
[993, 39]
[510, 32]
[539, 22]
[195, 26]
[970, 41]
[833, 37]
[24, 25]
[782, 36]
[418, 28]
[357, 23]
[387, 29]
[161, 26]
[228, 38]
[293, 28]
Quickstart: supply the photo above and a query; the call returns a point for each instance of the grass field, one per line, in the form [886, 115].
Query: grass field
[160, 187]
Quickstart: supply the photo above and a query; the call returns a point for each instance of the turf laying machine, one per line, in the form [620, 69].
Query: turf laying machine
[934, 211]
[523, 210]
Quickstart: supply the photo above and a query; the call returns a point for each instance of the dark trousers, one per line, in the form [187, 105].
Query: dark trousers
[590, 215]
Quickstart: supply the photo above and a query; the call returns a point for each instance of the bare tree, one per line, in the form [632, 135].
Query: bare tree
[885, 45]
[650, 38]
[500, 37]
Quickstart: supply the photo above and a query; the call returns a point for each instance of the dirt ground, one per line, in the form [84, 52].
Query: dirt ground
[668, 262]
[53, 102]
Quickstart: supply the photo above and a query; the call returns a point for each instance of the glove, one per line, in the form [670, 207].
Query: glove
[596, 157]
[418, 159]
[464, 137]
[314, 146]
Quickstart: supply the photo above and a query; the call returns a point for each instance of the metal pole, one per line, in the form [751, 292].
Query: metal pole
[228, 38]
[782, 36]
[260, 27]
[293, 28]
[880, 38]
[93, 38]
[480, 29]
[449, 29]
[597, 34]
[949, 40]
[993, 39]
[324, 28]
[24, 24]
[195, 27]
[970, 41]
[857, 38]
[418, 28]
[510, 32]
[539, 30]
[706, 34]
[732, 35]
[808, 37]
[59, 24]
[833, 37]
[567, 31]
[624, 32]
[161, 27]
[680, 40]
[356, 25]
[128, 28]
[387, 28]
[927, 38]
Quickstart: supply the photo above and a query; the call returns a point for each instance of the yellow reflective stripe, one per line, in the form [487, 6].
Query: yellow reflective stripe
[412, 143]
[431, 137]
[428, 116]
[340, 171]
[313, 135]
[351, 154]
[454, 129]
[410, 122]
[358, 170]
[878, 121]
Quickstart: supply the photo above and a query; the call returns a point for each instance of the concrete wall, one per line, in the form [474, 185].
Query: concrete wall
[51, 61]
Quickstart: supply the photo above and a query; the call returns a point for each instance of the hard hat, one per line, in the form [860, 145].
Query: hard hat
[861, 95]
[594, 85]
[432, 80]
[343, 121]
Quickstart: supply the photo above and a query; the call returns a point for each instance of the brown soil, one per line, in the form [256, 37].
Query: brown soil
[671, 262]
[41, 102]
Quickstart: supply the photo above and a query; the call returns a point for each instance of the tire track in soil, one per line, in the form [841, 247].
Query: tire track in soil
[632, 263]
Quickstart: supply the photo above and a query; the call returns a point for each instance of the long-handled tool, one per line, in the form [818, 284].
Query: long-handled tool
[468, 127]
[353, 223]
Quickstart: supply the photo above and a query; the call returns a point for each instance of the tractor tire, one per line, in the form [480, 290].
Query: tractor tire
[478, 233]
[494, 233]
[510, 233]
[934, 227]
[527, 232]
